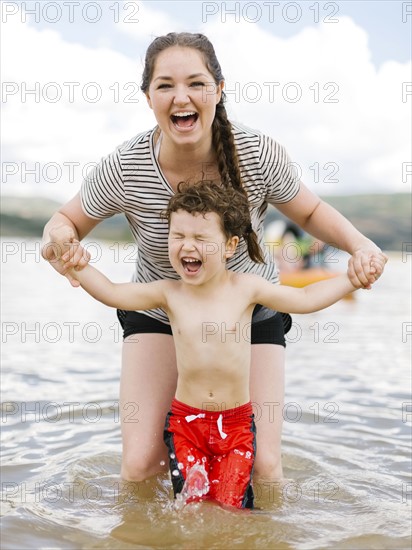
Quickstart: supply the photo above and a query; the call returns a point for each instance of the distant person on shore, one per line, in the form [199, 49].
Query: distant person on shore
[210, 431]
[292, 248]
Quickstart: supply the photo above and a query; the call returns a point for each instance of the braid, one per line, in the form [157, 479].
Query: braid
[228, 165]
[253, 247]
[224, 145]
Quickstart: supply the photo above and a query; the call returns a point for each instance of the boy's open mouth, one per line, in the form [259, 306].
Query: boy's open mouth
[185, 119]
[190, 265]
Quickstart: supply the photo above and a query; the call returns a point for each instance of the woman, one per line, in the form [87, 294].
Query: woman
[183, 84]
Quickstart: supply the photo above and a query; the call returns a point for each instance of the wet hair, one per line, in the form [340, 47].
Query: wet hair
[231, 205]
[222, 136]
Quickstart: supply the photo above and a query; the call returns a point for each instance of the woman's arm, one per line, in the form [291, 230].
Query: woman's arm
[127, 296]
[68, 224]
[301, 300]
[324, 222]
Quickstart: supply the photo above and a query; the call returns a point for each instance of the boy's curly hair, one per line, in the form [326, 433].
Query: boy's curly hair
[231, 205]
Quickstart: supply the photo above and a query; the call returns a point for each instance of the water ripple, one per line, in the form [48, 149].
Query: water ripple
[346, 444]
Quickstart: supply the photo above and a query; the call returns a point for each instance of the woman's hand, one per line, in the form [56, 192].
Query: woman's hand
[64, 251]
[366, 265]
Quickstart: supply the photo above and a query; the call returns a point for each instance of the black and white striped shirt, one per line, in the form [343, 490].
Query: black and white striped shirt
[130, 181]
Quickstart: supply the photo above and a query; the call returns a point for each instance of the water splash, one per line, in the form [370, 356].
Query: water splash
[196, 486]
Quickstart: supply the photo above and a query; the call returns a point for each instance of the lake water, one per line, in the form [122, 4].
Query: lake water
[346, 442]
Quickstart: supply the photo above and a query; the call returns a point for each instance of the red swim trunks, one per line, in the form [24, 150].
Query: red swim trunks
[224, 443]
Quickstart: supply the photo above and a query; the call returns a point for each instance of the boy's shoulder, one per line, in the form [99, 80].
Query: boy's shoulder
[246, 279]
[169, 285]
[248, 276]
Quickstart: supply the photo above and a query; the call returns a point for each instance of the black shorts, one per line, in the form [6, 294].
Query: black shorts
[268, 326]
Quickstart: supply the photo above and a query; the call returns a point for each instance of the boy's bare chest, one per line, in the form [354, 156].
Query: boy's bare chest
[212, 322]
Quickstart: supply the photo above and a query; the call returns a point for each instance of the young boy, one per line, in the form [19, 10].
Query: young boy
[210, 310]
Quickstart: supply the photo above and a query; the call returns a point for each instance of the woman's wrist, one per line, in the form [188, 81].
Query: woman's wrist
[364, 244]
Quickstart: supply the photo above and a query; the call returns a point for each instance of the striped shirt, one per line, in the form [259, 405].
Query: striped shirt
[130, 181]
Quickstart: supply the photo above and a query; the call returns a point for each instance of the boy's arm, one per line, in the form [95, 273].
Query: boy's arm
[302, 300]
[127, 296]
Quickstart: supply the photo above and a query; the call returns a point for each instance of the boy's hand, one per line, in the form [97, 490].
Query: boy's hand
[373, 275]
[64, 251]
[366, 266]
[74, 259]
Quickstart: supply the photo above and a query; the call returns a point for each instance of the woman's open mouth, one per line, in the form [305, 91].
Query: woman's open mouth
[191, 266]
[185, 120]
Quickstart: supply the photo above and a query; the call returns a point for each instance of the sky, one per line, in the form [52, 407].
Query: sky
[331, 81]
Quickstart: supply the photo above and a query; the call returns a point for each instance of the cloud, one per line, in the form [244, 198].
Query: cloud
[342, 120]
[64, 105]
[329, 104]
[149, 22]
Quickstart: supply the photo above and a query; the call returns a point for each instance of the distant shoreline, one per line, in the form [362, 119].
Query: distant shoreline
[384, 218]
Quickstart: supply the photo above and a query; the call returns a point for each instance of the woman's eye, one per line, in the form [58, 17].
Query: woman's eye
[163, 86]
[195, 84]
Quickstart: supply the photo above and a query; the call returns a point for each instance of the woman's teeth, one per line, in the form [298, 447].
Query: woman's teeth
[189, 113]
[185, 119]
